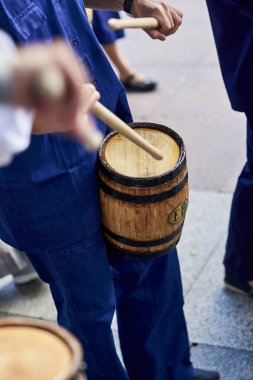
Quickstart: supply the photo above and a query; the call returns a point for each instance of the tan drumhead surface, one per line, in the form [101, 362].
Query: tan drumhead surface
[126, 158]
[32, 354]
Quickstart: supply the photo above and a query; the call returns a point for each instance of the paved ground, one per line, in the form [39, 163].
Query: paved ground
[190, 99]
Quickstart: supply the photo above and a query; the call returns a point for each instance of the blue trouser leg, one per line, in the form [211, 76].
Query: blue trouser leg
[152, 329]
[238, 259]
[81, 283]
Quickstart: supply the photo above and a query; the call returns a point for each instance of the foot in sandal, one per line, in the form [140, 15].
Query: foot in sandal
[138, 83]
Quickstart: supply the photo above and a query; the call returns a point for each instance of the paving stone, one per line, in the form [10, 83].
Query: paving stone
[32, 300]
[117, 344]
[216, 316]
[205, 225]
[232, 364]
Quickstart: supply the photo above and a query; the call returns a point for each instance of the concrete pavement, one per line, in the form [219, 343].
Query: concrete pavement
[190, 99]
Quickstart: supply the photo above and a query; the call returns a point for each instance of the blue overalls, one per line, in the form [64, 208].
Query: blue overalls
[232, 23]
[49, 208]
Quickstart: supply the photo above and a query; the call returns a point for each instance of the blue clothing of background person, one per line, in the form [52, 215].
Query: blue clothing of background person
[107, 37]
[49, 208]
[104, 34]
[232, 23]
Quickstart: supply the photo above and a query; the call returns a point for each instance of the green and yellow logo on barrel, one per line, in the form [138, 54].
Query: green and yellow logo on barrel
[178, 213]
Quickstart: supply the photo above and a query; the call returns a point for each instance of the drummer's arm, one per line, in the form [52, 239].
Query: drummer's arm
[169, 18]
[113, 5]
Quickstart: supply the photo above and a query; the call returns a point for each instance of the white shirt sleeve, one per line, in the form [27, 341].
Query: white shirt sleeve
[15, 123]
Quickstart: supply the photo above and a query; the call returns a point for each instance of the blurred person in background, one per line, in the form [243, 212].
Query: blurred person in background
[131, 80]
[232, 23]
[15, 263]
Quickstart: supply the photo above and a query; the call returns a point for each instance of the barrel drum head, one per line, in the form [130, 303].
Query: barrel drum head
[31, 349]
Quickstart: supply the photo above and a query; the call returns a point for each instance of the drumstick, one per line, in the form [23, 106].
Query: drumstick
[118, 125]
[140, 22]
[51, 84]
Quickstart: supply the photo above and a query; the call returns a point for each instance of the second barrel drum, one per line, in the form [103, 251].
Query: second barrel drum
[37, 350]
[143, 201]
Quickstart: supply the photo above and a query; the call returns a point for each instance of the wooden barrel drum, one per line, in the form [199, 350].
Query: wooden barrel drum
[32, 349]
[143, 200]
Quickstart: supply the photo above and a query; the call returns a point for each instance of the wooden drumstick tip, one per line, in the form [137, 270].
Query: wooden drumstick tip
[157, 155]
[94, 141]
[113, 121]
[111, 23]
[50, 85]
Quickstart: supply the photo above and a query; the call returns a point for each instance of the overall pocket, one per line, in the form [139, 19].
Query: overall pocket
[21, 19]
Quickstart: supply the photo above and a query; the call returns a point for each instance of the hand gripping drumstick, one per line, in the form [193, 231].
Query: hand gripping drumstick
[140, 22]
[118, 125]
[51, 84]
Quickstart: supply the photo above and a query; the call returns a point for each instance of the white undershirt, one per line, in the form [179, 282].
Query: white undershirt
[15, 123]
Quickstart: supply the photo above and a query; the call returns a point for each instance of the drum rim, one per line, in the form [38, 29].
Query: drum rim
[141, 182]
[60, 332]
[143, 255]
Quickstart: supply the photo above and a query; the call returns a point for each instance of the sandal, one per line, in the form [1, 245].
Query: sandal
[142, 85]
